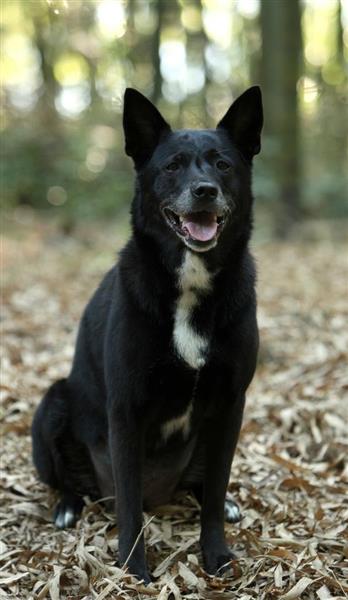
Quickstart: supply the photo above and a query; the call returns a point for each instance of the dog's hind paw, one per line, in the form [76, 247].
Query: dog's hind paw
[68, 511]
[232, 511]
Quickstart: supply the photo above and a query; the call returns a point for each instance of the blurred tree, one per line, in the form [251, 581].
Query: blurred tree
[42, 31]
[156, 61]
[65, 65]
[280, 73]
[336, 110]
[196, 43]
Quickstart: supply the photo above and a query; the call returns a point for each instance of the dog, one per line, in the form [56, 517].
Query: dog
[167, 346]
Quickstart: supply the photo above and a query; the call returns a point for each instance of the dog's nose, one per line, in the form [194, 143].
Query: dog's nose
[204, 191]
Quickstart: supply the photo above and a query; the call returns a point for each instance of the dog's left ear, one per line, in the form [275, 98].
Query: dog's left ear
[143, 126]
[243, 122]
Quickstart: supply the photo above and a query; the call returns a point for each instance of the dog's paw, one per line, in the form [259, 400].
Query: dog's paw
[218, 563]
[67, 511]
[145, 577]
[140, 573]
[232, 511]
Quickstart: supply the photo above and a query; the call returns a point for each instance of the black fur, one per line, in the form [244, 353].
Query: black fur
[100, 431]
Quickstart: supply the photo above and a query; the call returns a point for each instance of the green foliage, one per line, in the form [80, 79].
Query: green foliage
[65, 66]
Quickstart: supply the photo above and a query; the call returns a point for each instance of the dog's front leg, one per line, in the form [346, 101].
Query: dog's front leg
[221, 440]
[127, 447]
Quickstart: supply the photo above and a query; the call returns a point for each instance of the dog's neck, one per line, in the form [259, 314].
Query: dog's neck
[158, 258]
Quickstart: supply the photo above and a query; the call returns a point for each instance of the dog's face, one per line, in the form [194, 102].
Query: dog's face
[193, 184]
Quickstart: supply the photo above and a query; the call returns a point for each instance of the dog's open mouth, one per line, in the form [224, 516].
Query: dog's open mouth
[200, 228]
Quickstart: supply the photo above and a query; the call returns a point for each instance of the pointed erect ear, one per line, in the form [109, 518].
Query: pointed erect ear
[143, 126]
[243, 122]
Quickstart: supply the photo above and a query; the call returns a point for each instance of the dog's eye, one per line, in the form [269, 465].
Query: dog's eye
[172, 166]
[222, 165]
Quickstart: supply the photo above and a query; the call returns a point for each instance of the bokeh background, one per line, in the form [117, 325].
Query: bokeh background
[66, 188]
[65, 65]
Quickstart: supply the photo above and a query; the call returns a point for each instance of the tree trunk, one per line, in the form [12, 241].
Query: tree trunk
[157, 87]
[280, 72]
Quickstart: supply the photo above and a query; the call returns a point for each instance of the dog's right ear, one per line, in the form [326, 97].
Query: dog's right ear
[243, 122]
[143, 126]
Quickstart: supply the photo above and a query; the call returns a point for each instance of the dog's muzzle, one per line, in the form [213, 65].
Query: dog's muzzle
[199, 229]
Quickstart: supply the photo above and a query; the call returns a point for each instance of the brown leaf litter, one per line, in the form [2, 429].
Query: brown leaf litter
[290, 472]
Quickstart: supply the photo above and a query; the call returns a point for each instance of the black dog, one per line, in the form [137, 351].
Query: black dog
[167, 345]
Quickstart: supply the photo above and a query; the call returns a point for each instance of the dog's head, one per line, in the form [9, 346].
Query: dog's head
[195, 184]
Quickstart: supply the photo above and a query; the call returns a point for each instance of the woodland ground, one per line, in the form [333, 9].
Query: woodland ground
[290, 472]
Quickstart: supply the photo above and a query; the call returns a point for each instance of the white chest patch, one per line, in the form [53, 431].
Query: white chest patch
[194, 278]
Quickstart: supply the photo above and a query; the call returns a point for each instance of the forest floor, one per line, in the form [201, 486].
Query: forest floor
[290, 472]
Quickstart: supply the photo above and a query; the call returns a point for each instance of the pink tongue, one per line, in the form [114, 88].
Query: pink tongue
[201, 231]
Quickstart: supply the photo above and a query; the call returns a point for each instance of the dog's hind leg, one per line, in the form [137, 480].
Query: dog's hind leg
[48, 427]
[61, 461]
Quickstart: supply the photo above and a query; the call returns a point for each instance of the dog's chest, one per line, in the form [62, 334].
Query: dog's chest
[194, 281]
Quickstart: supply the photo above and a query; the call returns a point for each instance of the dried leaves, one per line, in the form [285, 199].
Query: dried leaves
[290, 473]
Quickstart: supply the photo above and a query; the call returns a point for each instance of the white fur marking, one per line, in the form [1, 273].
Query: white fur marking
[68, 517]
[193, 276]
[60, 520]
[232, 512]
[177, 424]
